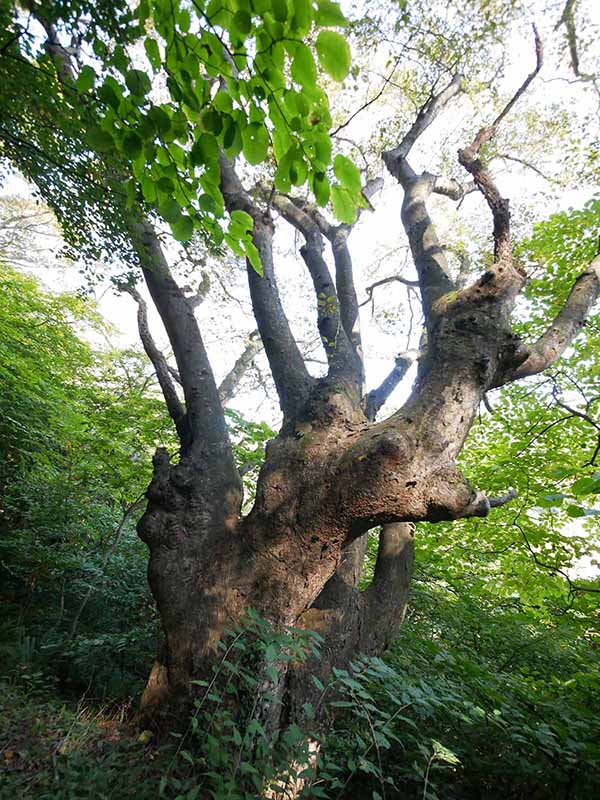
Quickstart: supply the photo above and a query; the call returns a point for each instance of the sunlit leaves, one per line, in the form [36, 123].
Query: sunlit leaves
[234, 78]
[343, 203]
[255, 143]
[334, 54]
[347, 173]
[183, 228]
[304, 70]
[329, 14]
[153, 53]
[320, 187]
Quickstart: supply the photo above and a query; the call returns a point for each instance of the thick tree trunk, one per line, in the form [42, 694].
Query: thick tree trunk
[296, 559]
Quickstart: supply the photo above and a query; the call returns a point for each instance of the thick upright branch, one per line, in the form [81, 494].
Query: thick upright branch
[291, 377]
[428, 255]
[387, 596]
[231, 381]
[344, 281]
[376, 398]
[330, 312]
[208, 435]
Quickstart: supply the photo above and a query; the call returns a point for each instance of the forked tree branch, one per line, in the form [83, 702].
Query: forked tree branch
[331, 330]
[159, 362]
[201, 426]
[229, 385]
[285, 360]
[384, 281]
[395, 160]
[207, 437]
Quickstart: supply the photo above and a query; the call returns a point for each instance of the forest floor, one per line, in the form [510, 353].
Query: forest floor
[53, 747]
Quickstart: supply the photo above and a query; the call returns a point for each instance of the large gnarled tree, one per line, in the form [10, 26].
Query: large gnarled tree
[334, 472]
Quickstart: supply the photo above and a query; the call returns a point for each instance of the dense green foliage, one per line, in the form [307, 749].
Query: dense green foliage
[118, 143]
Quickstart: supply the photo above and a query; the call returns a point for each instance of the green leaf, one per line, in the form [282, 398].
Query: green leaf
[85, 79]
[304, 69]
[242, 219]
[302, 19]
[585, 486]
[347, 173]
[132, 145]
[110, 95]
[253, 256]
[183, 228]
[207, 203]
[320, 187]
[205, 150]
[280, 10]
[153, 53]
[333, 52]
[148, 189]
[329, 14]
[232, 140]
[161, 119]
[255, 143]
[242, 23]
[99, 139]
[169, 210]
[212, 122]
[138, 82]
[344, 206]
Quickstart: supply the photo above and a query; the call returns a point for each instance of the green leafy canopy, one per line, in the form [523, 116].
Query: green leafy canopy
[219, 76]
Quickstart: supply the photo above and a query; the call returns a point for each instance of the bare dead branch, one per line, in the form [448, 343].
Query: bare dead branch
[469, 158]
[383, 282]
[524, 163]
[539, 57]
[481, 505]
[370, 102]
